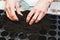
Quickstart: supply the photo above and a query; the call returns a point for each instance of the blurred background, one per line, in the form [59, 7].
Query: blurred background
[56, 0]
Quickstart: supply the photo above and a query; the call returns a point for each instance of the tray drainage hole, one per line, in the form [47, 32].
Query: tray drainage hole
[59, 21]
[58, 38]
[4, 33]
[59, 33]
[59, 17]
[43, 32]
[22, 36]
[51, 38]
[52, 33]
[10, 39]
[1, 11]
[41, 38]
[54, 21]
[53, 16]
[2, 38]
[59, 27]
[53, 27]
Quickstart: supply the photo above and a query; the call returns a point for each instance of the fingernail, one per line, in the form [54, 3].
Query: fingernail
[30, 24]
[36, 21]
[27, 21]
[21, 14]
[16, 19]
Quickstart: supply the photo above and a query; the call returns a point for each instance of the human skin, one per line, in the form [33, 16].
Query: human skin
[39, 10]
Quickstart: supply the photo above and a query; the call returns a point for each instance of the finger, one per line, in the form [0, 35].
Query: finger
[8, 11]
[30, 15]
[8, 15]
[7, 8]
[17, 9]
[34, 17]
[41, 15]
[12, 14]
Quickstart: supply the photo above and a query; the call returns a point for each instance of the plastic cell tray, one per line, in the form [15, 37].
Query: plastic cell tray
[47, 29]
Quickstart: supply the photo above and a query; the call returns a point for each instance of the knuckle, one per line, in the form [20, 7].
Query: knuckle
[29, 16]
[34, 8]
[27, 19]
[38, 19]
[34, 18]
[11, 16]
[17, 6]
[6, 7]
[11, 6]
[41, 10]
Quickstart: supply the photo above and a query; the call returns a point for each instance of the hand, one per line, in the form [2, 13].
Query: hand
[38, 12]
[10, 7]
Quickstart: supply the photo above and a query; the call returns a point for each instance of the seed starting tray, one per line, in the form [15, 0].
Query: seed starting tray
[47, 29]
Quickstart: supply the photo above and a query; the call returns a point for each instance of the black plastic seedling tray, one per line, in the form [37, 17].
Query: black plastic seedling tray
[47, 29]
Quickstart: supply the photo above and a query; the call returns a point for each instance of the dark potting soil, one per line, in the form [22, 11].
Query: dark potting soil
[23, 26]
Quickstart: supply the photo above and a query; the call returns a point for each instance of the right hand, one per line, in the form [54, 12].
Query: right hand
[10, 7]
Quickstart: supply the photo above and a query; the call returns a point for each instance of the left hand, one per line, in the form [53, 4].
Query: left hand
[38, 12]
